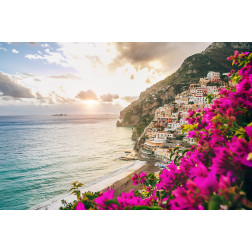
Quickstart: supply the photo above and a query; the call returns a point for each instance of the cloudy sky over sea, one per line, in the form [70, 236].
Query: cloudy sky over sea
[44, 78]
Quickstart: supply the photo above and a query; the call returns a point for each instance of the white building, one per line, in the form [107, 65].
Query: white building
[161, 135]
[213, 75]
[212, 90]
[162, 153]
[198, 100]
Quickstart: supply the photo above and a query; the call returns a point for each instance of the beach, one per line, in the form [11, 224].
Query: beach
[125, 184]
[119, 180]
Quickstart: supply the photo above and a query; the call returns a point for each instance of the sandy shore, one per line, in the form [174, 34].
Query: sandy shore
[125, 184]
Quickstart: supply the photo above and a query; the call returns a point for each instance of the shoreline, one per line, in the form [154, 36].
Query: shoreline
[125, 184]
[120, 180]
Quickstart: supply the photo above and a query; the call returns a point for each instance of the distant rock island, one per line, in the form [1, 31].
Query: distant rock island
[60, 115]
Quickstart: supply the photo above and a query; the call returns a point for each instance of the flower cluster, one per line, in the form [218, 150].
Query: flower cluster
[139, 178]
[216, 172]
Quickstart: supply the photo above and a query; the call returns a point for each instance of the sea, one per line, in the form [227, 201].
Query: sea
[40, 156]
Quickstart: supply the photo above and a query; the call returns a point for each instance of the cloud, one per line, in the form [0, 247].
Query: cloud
[4, 49]
[87, 95]
[129, 98]
[161, 56]
[109, 97]
[10, 87]
[65, 76]
[45, 45]
[53, 98]
[60, 99]
[44, 99]
[51, 57]
[14, 51]
[28, 74]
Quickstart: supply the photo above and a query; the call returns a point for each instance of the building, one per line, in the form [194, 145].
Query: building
[162, 154]
[212, 90]
[161, 135]
[163, 121]
[198, 100]
[213, 76]
[150, 146]
[201, 91]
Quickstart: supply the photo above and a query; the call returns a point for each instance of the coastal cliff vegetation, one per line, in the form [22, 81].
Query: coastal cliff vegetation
[213, 174]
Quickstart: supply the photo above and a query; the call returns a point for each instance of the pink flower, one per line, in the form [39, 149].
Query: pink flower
[135, 179]
[101, 200]
[248, 131]
[166, 180]
[187, 199]
[224, 182]
[80, 206]
[148, 188]
[142, 177]
[130, 200]
[191, 134]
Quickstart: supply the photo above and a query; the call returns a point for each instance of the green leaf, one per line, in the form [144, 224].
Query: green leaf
[151, 176]
[177, 148]
[185, 151]
[73, 188]
[214, 203]
[112, 201]
[145, 208]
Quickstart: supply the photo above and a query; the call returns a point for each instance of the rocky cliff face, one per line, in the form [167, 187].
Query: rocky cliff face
[214, 58]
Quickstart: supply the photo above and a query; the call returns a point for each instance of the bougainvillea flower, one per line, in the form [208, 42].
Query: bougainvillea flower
[135, 179]
[142, 177]
[101, 200]
[248, 131]
[80, 206]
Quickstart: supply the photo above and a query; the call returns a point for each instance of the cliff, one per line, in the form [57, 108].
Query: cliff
[139, 113]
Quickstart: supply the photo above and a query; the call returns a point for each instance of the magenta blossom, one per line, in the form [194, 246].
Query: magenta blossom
[187, 199]
[101, 200]
[135, 179]
[248, 131]
[142, 177]
[80, 206]
[129, 200]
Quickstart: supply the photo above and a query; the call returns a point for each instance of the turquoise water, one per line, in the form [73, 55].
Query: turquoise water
[41, 156]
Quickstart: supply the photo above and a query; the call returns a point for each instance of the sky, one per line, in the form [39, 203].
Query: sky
[83, 78]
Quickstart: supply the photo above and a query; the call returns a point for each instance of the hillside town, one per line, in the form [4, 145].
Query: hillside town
[164, 133]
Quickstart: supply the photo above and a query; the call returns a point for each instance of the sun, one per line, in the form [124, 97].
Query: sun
[90, 102]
